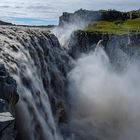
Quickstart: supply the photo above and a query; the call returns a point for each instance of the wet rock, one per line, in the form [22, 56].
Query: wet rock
[8, 99]
[8, 87]
[82, 42]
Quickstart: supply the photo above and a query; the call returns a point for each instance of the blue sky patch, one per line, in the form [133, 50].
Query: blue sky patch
[34, 21]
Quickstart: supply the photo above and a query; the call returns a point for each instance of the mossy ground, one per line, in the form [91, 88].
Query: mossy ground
[114, 27]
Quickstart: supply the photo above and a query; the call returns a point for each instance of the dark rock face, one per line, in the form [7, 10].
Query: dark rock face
[39, 65]
[8, 87]
[79, 16]
[9, 97]
[84, 42]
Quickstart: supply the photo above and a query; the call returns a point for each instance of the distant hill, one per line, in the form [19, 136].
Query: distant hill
[38, 26]
[5, 23]
[89, 16]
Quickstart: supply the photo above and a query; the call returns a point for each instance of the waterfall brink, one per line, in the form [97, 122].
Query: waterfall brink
[104, 101]
[36, 61]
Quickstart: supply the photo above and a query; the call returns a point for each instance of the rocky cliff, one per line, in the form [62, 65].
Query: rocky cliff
[9, 98]
[84, 42]
[89, 16]
[119, 48]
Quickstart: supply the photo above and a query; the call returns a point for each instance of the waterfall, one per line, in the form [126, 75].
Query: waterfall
[36, 61]
[93, 97]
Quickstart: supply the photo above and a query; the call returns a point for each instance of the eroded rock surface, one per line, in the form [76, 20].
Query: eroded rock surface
[8, 99]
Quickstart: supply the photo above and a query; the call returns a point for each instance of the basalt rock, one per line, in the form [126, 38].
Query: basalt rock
[8, 98]
[82, 42]
[8, 87]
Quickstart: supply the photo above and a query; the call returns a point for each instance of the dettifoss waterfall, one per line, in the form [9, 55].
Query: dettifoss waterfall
[34, 58]
[66, 99]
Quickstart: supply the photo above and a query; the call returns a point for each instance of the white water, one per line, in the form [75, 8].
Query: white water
[34, 117]
[64, 33]
[104, 102]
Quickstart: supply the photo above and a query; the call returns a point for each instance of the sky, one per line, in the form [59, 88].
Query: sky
[46, 12]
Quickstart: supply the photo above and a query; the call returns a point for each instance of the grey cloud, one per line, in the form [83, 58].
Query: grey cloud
[18, 7]
[4, 6]
[53, 8]
[39, 7]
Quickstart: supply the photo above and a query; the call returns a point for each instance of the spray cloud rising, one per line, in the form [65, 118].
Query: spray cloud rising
[104, 102]
[64, 33]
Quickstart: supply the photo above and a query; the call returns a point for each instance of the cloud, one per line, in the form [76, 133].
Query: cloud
[52, 9]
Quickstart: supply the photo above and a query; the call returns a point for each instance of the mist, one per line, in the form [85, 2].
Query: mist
[104, 102]
[64, 33]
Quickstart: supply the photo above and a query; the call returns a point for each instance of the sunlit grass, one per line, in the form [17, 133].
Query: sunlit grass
[115, 27]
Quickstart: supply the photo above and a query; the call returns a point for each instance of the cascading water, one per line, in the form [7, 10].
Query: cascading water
[103, 98]
[38, 64]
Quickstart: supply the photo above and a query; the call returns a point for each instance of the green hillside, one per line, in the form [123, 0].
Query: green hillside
[115, 27]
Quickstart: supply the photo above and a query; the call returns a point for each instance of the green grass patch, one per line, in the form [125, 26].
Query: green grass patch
[115, 27]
